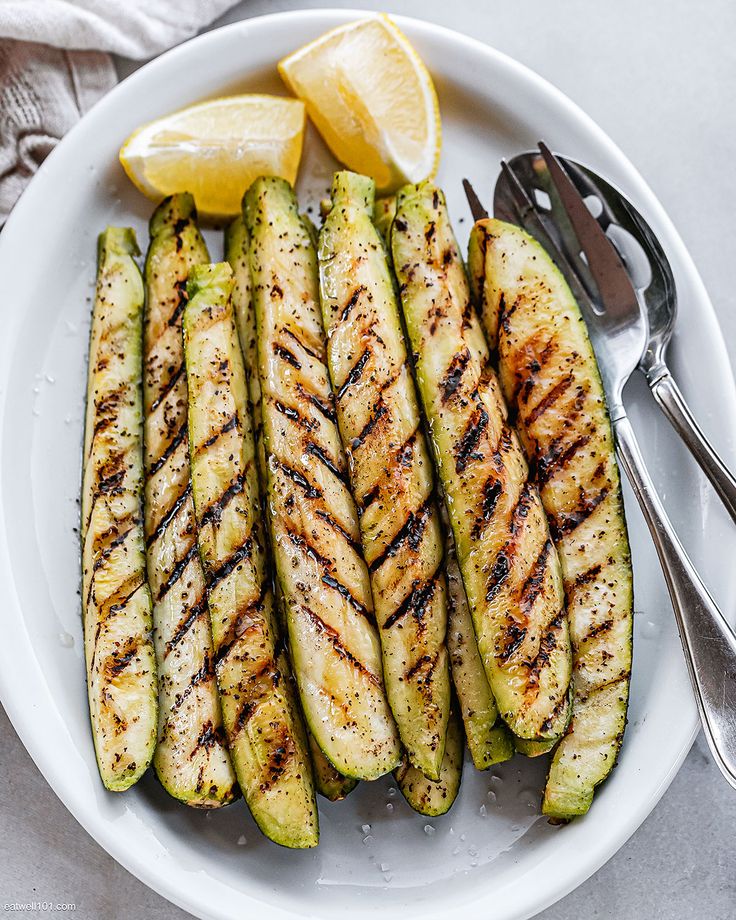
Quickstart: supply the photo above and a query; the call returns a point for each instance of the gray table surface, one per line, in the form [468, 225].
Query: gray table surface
[659, 77]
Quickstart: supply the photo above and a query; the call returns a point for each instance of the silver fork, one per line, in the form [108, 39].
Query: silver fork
[618, 332]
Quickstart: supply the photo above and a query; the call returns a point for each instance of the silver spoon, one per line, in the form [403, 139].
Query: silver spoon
[649, 271]
[619, 334]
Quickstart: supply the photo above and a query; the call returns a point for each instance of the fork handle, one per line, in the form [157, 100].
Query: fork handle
[708, 641]
[672, 403]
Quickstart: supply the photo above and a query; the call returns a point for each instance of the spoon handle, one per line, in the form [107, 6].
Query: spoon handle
[707, 639]
[672, 403]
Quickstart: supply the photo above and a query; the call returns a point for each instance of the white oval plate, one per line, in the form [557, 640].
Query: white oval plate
[492, 856]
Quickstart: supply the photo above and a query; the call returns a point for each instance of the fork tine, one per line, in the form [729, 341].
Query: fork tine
[476, 208]
[524, 204]
[616, 291]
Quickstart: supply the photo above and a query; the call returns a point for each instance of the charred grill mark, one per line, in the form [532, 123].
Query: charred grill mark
[323, 406]
[294, 415]
[547, 645]
[515, 635]
[229, 565]
[498, 575]
[175, 377]
[521, 508]
[552, 717]
[426, 663]
[465, 449]
[352, 301]
[171, 448]
[177, 572]
[118, 540]
[328, 519]
[317, 356]
[453, 378]
[181, 290]
[377, 413]
[492, 491]
[344, 653]
[169, 515]
[549, 399]
[109, 402]
[316, 451]
[239, 625]
[370, 497]
[355, 373]
[192, 615]
[557, 458]
[416, 601]
[229, 425]
[300, 541]
[279, 756]
[534, 582]
[119, 660]
[206, 672]
[603, 627]
[310, 491]
[286, 355]
[209, 736]
[566, 521]
[405, 453]
[411, 532]
[213, 512]
[584, 578]
[345, 592]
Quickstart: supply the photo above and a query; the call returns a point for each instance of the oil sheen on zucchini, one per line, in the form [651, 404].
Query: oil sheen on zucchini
[191, 758]
[550, 377]
[508, 563]
[329, 783]
[116, 600]
[322, 576]
[265, 738]
[433, 798]
[390, 468]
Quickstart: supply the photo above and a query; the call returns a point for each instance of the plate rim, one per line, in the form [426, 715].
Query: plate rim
[85, 815]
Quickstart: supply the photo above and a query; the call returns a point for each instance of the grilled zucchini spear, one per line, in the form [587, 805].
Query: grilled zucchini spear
[509, 566]
[191, 758]
[121, 666]
[264, 733]
[550, 377]
[331, 784]
[390, 468]
[427, 796]
[322, 576]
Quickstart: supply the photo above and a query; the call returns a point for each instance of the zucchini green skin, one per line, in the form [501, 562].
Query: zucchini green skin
[191, 759]
[533, 748]
[116, 600]
[509, 566]
[433, 798]
[315, 535]
[390, 468]
[265, 737]
[488, 738]
[550, 377]
[384, 211]
[329, 783]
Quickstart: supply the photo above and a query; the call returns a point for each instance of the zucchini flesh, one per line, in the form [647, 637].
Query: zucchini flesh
[433, 798]
[509, 566]
[322, 576]
[191, 758]
[390, 468]
[116, 600]
[264, 735]
[550, 376]
[329, 783]
[488, 739]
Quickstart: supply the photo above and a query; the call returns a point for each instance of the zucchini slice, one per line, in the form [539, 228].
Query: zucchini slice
[264, 735]
[550, 377]
[329, 783]
[116, 600]
[488, 738]
[191, 758]
[433, 798]
[508, 563]
[390, 468]
[322, 576]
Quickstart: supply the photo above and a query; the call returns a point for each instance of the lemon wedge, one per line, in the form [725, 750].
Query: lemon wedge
[215, 149]
[372, 100]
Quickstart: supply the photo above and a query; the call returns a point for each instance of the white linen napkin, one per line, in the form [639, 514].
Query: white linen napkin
[55, 63]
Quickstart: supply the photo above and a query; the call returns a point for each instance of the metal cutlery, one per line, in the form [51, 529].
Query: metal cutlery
[621, 336]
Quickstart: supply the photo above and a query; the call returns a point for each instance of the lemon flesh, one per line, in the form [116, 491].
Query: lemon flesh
[372, 100]
[215, 150]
